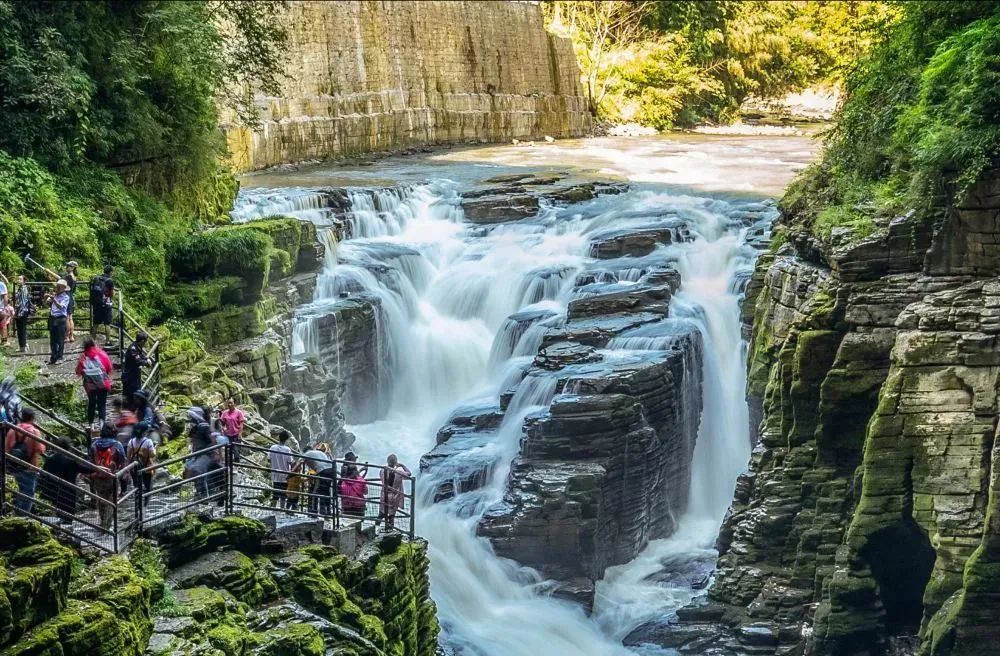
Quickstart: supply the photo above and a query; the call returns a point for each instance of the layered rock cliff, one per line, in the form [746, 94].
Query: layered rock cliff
[378, 76]
[868, 518]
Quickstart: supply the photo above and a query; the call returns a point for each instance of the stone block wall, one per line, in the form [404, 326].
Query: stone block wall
[376, 76]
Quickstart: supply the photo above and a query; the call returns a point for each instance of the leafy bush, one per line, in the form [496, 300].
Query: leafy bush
[244, 253]
[922, 112]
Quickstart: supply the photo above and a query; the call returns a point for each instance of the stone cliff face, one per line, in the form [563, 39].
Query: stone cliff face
[377, 76]
[869, 512]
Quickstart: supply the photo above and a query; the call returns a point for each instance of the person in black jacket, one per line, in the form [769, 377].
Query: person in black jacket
[59, 487]
[135, 360]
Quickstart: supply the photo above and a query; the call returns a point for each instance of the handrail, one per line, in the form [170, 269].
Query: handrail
[40, 408]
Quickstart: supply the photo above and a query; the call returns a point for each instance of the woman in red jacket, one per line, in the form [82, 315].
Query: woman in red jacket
[94, 368]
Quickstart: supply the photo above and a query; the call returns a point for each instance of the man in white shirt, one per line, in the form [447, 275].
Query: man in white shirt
[281, 463]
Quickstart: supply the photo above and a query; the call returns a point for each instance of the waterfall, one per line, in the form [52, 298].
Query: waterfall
[462, 311]
[709, 298]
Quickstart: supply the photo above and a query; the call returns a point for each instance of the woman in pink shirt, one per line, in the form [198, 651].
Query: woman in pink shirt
[232, 420]
[94, 367]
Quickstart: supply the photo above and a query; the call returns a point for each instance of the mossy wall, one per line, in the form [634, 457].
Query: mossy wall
[874, 373]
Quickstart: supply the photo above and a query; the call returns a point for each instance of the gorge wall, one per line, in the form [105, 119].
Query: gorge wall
[377, 76]
[868, 518]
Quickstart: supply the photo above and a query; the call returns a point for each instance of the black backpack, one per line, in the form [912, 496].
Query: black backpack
[97, 289]
[19, 450]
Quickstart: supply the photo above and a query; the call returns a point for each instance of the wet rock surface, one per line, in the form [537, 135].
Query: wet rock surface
[864, 523]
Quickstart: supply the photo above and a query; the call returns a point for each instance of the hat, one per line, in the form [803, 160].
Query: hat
[72, 263]
[196, 415]
[61, 283]
[351, 456]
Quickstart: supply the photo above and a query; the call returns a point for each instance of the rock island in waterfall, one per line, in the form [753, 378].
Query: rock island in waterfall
[499, 328]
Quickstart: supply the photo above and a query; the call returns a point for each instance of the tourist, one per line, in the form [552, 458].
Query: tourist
[6, 310]
[392, 478]
[102, 290]
[21, 444]
[297, 485]
[124, 420]
[135, 359]
[232, 420]
[71, 280]
[318, 459]
[141, 450]
[94, 368]
[10, 402]
[108, 457]
[59, 488]
[23, 309]
[353, 488]
[199, 466]
[58, 307]
[281, 464]
[145, 416]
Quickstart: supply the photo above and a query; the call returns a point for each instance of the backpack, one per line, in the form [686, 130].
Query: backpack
[20, 449]
[137, 445]
[97, 289]
[104, 456]
[94, 376]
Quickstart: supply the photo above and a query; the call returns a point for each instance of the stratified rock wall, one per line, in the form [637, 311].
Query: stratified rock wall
[377, 76]
[869, 512]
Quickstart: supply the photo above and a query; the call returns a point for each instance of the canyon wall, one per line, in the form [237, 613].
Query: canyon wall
[378, 76]
[868, 519]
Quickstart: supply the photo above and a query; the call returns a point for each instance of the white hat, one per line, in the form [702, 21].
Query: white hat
[61, 282]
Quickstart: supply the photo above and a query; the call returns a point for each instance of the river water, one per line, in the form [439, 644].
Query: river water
[446, 289]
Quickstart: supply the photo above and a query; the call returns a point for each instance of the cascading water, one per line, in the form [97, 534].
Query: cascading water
[462, 311]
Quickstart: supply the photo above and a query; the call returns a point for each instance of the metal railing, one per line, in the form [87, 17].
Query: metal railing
[102, 513]
[38, 322]
[240, 476]
[107, 510]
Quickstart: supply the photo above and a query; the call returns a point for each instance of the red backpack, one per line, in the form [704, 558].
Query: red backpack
[104, 456]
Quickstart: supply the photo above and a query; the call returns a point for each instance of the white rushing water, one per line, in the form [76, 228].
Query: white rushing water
[446, 290]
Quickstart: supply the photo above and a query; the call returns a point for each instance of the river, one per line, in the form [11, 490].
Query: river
[449, 290]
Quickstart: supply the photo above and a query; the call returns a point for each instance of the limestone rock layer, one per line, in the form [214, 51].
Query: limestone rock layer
[868, 519]
[377, 76]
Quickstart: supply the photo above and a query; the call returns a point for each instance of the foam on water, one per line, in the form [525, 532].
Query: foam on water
[446, 291]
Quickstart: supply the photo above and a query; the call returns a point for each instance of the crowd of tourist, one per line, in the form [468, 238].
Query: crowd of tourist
[127, 434]
[18, 305]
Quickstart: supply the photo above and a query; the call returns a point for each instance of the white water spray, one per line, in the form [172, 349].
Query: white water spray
[447, 293]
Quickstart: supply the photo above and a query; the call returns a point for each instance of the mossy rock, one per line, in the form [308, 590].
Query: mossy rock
[293, 640]
[83, 628]
[35, 572]
[193, 299]
[235, 323]
[228, 570]
[195, 535]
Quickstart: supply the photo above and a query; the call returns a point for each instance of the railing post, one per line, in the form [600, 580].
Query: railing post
[413, 507]
[121, 328]
[114, 514]
[333, 496]
[230, 472]
[3, 469]
[140, 490]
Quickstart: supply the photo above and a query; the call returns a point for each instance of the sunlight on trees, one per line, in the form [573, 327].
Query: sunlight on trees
[664, 64]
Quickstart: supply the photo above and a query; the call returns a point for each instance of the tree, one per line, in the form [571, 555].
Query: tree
[597, 30]
[133, 85]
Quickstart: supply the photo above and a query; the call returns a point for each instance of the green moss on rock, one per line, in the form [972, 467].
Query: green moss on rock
[293, 640]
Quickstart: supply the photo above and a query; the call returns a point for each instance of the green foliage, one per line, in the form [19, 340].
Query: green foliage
[133, 86]
[672, 63]
[922, 111]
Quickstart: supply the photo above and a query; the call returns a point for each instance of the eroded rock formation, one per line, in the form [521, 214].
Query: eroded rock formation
[869, 512]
